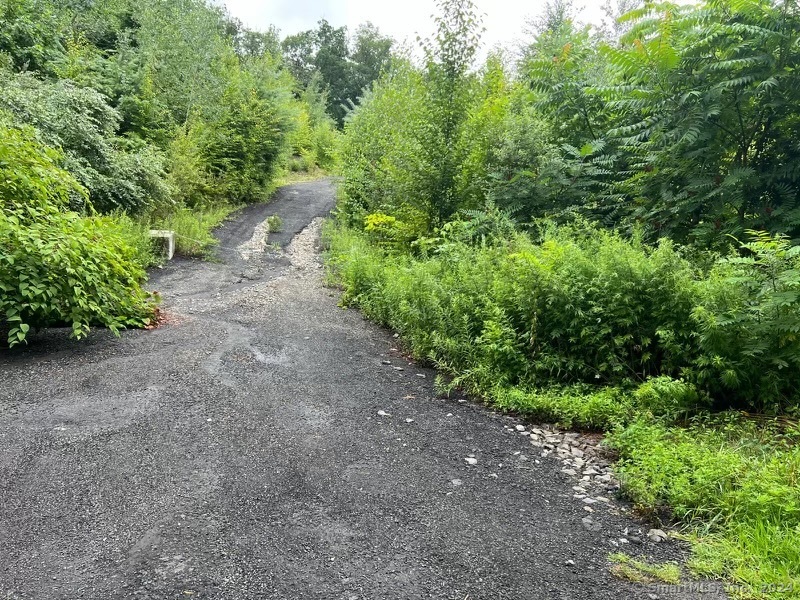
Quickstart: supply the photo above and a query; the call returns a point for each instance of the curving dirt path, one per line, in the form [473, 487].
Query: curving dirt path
[257, 446]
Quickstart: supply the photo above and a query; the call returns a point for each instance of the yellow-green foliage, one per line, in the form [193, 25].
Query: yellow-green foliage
[313, 141]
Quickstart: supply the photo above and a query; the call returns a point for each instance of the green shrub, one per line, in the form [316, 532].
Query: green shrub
[748, 325]
[669, 398]
[594, 309]
[189, 174]
[56, 267]
[246, 143]
[119, 173]
[385, 163]
[275, 223]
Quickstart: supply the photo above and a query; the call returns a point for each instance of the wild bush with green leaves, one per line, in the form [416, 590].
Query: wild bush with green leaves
[385, 165]
[119, 173]
[581, 306]
[56, 267]
[748, 325]
[584, 306]
[690, 114]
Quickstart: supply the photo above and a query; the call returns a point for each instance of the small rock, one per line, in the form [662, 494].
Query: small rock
[588, 509]
[572, 472]
[589, 501]
[396, 335]
[456, 482]
[656, 535]
[409, 420]
[590, 524]
[471, 461]
[520, 427]
[493, 475]
[386, 362]
[449, 415]
[398, 368]
[422, 375]
[577, 452]
[383, 413]
[570, 562]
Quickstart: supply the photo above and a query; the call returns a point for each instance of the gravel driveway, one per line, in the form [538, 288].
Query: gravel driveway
[266, 443]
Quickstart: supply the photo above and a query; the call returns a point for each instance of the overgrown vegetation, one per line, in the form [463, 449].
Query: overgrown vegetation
[159, 114]
[604, 237]
[57, 267]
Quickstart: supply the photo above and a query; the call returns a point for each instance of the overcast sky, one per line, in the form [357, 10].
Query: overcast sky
[402, 19]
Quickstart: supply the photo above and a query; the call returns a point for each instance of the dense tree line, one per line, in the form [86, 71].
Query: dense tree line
[682, 119]
[327, 58]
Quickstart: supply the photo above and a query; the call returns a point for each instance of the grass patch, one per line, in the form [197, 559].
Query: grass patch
[275, 223]
[640, 571]
[289, 176]
[734, 483]
[193, 227]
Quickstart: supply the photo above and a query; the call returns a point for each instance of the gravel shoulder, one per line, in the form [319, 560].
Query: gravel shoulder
[266, 443]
